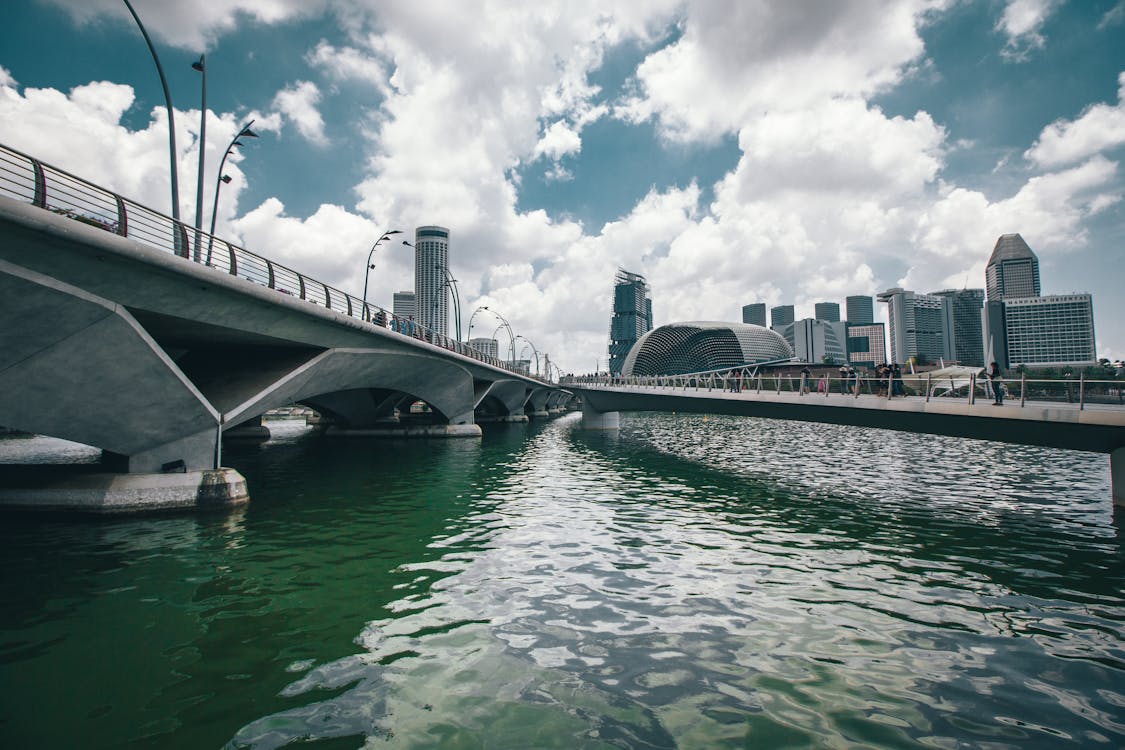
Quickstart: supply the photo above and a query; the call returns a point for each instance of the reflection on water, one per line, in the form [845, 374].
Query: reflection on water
[691, 582]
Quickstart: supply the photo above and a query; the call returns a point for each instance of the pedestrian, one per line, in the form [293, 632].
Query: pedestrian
[806, 375]
[898, 386]
[844, 379]
[997, 382]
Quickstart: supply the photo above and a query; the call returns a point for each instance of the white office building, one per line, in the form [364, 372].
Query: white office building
[1053, 330]
[486, 346]
[431, 267]
[817, 341]
[919, 325]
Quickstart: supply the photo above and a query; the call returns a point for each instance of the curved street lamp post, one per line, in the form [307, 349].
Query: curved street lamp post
[223, 179]
[171, 121]
[367, 269]
[533, 349]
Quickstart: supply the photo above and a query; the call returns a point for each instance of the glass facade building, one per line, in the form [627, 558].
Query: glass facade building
[828, 311]
[404, 304]
[963, 323]
[754, 314]
[781, 316]
[867, 345]
[632, 316]
[860, 309]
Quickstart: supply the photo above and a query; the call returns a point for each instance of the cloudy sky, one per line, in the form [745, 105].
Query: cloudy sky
[732, 151]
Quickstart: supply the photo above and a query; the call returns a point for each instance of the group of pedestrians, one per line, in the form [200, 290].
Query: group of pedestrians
[890, 380]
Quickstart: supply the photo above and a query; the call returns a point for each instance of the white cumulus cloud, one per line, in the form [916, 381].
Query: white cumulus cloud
[1099, 128]
[298, 103]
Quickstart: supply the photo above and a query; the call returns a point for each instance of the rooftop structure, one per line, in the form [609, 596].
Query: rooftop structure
[1012, 270]
[701, 346]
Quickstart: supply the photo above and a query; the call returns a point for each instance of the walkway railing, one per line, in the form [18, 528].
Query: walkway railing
[29, 180]
[1078, 392]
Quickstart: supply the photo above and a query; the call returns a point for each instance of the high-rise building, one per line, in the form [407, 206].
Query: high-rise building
[1053, 330]
[781, 316]
[1013, 270]
[817, 341]
[431, 265]
[963, 324]
[404, 305]
[486, 346]
[917, 325]
[754, 314]
[828, 311]
[860, 309]
[994, 332]
[867, 345]
[632, 316]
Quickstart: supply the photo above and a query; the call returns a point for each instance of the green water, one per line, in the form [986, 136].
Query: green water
[690, 583]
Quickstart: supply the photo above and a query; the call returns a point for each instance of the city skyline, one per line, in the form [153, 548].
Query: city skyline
[729, 153]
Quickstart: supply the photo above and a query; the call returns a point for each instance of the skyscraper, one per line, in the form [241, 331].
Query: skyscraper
[917, 325]
[1013, 270]
[781, 316]
[755, 314]
[860, 309]
[431, 264]
[828, 311]
[963, 323]
[632, 316]
[404, 305]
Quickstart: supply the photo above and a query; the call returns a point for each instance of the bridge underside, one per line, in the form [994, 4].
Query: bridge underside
[156, 392]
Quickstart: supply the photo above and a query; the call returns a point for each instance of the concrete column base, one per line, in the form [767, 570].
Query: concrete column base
[411, 431]
[129, 493]
[540, 414]
[1117, 476]
[521, 418]
[597, 420]
[249, 432]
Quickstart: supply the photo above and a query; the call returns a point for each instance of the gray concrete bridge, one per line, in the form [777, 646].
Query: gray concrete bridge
[118, 334]
[1076, 426]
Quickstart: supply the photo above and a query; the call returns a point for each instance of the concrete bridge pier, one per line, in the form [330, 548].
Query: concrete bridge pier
[599, 420]
[250, 430]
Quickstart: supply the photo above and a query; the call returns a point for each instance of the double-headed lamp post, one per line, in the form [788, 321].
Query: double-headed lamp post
[367, 269]
[452, 284]
[223, 179]
[200, 66]
[533, 349]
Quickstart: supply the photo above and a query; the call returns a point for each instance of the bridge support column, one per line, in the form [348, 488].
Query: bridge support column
[1117, 476]
[250, 430]
[600, 420]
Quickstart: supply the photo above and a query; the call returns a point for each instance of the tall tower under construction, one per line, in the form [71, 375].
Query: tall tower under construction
[632, 316]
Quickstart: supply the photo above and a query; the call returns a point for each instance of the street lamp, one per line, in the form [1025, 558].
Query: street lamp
[533, 349]
[171, 122]
[511, 334]
[224, 179]
[201, 66]
[367, 270]
[451, 283]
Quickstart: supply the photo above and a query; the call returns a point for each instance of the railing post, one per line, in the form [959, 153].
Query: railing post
[1023, 388]
[301, 281]
[269, 269]
[327, 296]
[233, 259]
[759, 382]
[929, 377]
[1081, 391]
[122, 216]
[972, 389]
[40, 198]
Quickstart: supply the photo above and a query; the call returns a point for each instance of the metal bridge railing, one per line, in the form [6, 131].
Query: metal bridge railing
[29, 180]
[1078, 392]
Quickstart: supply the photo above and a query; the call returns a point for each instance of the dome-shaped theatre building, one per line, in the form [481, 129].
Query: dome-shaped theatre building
[702, 346]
